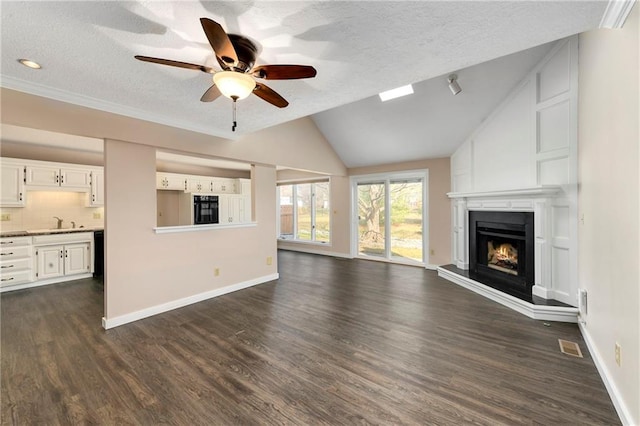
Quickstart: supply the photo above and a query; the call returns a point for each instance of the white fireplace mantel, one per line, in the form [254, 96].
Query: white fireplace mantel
[536, 191]
[550, 206]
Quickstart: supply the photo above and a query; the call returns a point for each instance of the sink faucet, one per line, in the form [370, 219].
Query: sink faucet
[59, 222]
[73, 224]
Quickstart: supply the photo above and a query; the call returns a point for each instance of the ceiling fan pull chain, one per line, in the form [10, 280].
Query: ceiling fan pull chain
[235, 124]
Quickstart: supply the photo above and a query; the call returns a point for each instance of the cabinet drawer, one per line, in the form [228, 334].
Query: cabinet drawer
[10, 265]
[15, 252]
[13, 242]
[17, 277]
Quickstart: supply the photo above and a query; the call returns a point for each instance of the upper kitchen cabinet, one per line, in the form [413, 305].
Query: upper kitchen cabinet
[171, 181]
[97, 188]
[199, 184]
[225, 186]
[63, 176]
[12, 189]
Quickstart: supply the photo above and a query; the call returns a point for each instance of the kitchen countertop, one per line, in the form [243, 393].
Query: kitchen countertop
[32, 232]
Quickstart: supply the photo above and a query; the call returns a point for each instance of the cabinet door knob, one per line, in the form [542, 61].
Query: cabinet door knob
[6, 242]
[7, 279]
[6, 266]
[6, 254]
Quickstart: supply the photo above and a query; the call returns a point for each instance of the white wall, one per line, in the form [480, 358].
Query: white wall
[609, 200]
[148, 272]
[530, 140]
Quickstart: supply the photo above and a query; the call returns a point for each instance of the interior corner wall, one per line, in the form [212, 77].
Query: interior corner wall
[147, 272]
[608, 199]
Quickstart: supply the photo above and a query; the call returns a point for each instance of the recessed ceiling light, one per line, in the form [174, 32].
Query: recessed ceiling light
[396, 93]
[30, 64]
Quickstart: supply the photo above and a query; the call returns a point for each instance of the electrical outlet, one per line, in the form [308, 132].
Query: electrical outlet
[269, 260]
[5, 217]
[97, 215]
[216, 272]
[618, 354]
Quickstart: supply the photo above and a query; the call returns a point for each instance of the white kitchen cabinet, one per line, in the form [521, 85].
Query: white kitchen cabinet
[43, 175]
[234, 209]
[16, 261]
[225, 186]
[50, 262]
[77, 258]
[63, 260]
[171, 181]
[97, 188]
[244, 186]
[12, 189]
[199, 184]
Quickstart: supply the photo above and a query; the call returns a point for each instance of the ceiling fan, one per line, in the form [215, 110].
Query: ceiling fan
[236, 55]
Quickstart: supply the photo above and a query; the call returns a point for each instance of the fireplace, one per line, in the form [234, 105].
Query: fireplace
[501, 250]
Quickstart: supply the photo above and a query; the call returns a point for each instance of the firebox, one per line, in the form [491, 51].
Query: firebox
[501, 250]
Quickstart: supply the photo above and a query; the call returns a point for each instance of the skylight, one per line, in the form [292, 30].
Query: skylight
[396, 93]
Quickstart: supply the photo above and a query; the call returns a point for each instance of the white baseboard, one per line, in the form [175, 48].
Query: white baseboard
[431, 267]
[614, 393]
[537, 312]
[311, 250]
[108, 323]
[46, 282]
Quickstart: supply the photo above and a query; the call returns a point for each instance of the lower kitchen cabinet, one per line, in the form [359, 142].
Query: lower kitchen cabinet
[16, 261]
[62, 260]
[234, 209]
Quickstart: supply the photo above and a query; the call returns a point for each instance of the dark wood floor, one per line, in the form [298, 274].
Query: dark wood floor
[331, 342]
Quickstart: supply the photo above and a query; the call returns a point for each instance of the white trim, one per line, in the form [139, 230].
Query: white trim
[614, 393]
[111, 107]
[537, 312]
[46, 282]
[195, 228]
[175, 304]
[314, 251]
[543, 190]
[539, 291]
[431, 267]
[616, 13]
[387, 177]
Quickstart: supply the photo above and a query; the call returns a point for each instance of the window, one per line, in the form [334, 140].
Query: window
[304, 212]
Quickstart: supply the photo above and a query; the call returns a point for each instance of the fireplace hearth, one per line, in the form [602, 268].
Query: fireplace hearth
[501, 250]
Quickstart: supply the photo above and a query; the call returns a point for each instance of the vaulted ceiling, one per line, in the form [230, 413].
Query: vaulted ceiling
[359, 48]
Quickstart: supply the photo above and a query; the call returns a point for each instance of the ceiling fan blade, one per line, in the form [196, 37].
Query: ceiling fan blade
[283, 72]
[219, 41]
[266, 93]
[211, 94]
[175, 63]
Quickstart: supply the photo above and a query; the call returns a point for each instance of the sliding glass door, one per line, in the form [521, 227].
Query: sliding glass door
[391, 217]
[371, 219]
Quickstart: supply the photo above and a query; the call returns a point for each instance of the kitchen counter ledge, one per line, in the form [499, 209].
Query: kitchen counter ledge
[194, 228]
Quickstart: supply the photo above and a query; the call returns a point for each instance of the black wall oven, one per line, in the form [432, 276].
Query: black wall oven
[205, 209]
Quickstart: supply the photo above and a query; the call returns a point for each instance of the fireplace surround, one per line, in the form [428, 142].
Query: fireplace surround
[501, 250]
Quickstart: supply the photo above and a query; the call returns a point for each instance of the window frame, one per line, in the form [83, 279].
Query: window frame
[313, 211]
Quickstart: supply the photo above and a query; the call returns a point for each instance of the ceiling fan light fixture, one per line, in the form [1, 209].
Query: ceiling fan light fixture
[233, 84]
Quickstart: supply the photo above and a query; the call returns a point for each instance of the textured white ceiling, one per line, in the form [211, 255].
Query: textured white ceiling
[358, 48]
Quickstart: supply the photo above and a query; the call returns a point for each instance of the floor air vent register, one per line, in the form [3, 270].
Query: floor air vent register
[570, 348]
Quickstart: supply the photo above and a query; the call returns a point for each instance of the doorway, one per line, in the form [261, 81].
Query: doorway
[390, 217]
